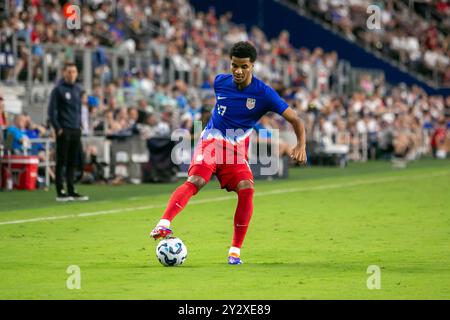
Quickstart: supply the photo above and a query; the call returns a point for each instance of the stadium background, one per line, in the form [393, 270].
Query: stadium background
[147, 67]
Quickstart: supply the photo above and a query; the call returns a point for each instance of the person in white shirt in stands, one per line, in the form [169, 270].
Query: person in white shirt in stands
[154, 128]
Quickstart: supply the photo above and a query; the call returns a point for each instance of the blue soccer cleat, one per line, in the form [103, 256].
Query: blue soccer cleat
[234, 259]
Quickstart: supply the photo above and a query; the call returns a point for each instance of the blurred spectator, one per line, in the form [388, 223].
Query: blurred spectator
[34, 131]
[154, 128]
[205, 114]
[375, 117]
[85, 124]
[415, 36]
[133, 116]
[264, 135]
[142, 110]
[3, 116]
[385, 140]
[439, 141]
[18, 132]
[93, 171]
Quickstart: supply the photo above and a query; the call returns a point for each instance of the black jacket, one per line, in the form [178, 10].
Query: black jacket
[64, 109]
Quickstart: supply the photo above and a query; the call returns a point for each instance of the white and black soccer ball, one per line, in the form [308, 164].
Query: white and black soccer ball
[171, 252]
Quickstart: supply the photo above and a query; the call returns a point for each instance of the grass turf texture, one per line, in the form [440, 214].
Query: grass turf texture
[311, 237]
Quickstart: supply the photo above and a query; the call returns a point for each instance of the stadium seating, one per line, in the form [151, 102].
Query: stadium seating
[412, 33]
[148, 68]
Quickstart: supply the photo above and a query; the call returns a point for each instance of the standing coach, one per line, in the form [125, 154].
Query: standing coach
[64, 112]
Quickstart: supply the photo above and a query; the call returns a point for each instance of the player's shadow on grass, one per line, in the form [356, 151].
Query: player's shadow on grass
[276, 264]
[261, 264]
[307, 265]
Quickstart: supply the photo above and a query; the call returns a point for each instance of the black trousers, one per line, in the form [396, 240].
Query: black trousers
[68, 145]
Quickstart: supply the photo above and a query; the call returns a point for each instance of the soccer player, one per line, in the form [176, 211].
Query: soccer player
[241, 100]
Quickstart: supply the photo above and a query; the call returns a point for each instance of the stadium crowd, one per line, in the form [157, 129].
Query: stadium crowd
[419, 38]
[396, 121]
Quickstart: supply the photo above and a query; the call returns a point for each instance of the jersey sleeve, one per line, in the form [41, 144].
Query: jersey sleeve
[216, 80]
[274, 102]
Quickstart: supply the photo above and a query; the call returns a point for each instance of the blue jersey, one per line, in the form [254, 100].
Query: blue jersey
[237, 111]
[17, 135]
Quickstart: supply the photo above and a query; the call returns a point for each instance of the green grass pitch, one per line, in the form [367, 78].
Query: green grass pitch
[311, 237]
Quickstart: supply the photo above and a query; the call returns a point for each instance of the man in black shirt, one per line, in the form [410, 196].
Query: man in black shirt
[64, 112]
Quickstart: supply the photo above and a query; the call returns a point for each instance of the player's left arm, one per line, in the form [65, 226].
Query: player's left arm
[299, 151]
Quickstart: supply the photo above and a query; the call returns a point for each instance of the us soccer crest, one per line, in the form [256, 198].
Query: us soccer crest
[250, 103]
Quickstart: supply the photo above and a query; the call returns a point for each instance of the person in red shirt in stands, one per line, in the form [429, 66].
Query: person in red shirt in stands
[438, 140]
[3, 118]
[3, 124]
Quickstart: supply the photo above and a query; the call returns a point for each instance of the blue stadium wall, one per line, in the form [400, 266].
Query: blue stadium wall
[273, 17]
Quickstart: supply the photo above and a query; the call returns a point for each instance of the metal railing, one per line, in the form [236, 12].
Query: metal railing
[47, 163]
[44, 68]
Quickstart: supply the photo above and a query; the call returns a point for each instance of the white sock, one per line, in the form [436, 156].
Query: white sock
[235, 251]
[164, 223]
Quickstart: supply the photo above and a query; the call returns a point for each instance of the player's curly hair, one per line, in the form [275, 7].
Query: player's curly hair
[243, 49]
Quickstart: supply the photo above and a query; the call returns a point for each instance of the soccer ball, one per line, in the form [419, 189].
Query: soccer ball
[171, 252]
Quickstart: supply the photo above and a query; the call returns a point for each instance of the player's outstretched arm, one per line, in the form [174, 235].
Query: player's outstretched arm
[299, 152]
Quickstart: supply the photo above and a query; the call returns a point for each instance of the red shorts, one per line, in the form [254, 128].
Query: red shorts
[229, 162]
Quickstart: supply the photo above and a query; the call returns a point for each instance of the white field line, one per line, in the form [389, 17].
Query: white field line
[225, 198]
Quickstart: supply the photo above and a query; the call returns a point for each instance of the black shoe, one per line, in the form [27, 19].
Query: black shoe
[78, 197]
[63, 197]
